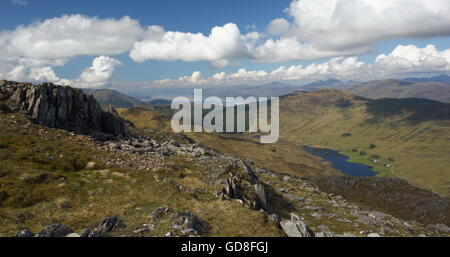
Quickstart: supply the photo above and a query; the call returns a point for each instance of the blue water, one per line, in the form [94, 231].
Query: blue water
[340, 162]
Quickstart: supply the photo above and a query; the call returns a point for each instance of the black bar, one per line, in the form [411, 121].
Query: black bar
[222, 246]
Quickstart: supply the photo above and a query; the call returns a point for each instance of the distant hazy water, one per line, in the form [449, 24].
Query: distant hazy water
[340, 162]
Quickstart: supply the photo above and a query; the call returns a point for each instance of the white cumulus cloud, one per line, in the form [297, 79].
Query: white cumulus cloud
[99, 73]
[291, 49]
[278, 26]
[71, 35]
[312, 29]
[337, 24]
[221, 44]
[31, 52]
[402, 60]
[47, 74]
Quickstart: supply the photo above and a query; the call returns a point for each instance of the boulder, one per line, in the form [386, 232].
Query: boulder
[275, 218]
[73, 235]
[107, 225]
[55, 230]
[296, 227]
[24, 233]
[85, 232]
[192, 223]
[158, 213]
[186, 222]
[439, 228]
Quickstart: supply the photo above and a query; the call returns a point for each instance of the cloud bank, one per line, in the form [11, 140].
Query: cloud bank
[311, 29]
[317, 29]
[31, 52]
[99, 74]
[404, 59]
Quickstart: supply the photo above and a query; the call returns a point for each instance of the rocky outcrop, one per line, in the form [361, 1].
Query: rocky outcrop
[296, 227]
[184, 223]
[244, 184]
[24, 233]
[107, 225]
[64, 108]
[55, 230]
[396, 196]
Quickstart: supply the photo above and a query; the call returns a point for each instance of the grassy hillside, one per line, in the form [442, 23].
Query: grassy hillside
[404, 138]
[45, 177]
[286, 156]
[52, 176]
[412, 135]
[49, 175]
[283, 156]
[146, 118]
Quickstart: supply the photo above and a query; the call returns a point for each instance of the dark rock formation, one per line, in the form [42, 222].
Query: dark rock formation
[55, 230]
[64, 108]
[59, 230]
[159, 212]
[190, 224]
[24, 233]
[261, 201]
[85, 232]
[244, 184]
[107, 225]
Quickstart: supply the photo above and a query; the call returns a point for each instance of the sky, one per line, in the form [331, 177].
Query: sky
[144, 44]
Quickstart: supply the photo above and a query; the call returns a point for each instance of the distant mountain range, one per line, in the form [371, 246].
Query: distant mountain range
[324, 84]
[270, 89]
[114, 98]
[157, 102]
[393, 88]
[441, 78]
[434, 88]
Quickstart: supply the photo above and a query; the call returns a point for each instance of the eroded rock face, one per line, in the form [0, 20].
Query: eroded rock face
[244, 184]
[64, 108]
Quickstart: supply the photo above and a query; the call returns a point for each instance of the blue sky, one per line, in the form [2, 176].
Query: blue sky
[180, 15]
[196, 15]
[200, 16]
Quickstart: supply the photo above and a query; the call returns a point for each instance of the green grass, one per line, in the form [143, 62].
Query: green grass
[412, 132]
[285, 157]
[380, 166]
[44, 179]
